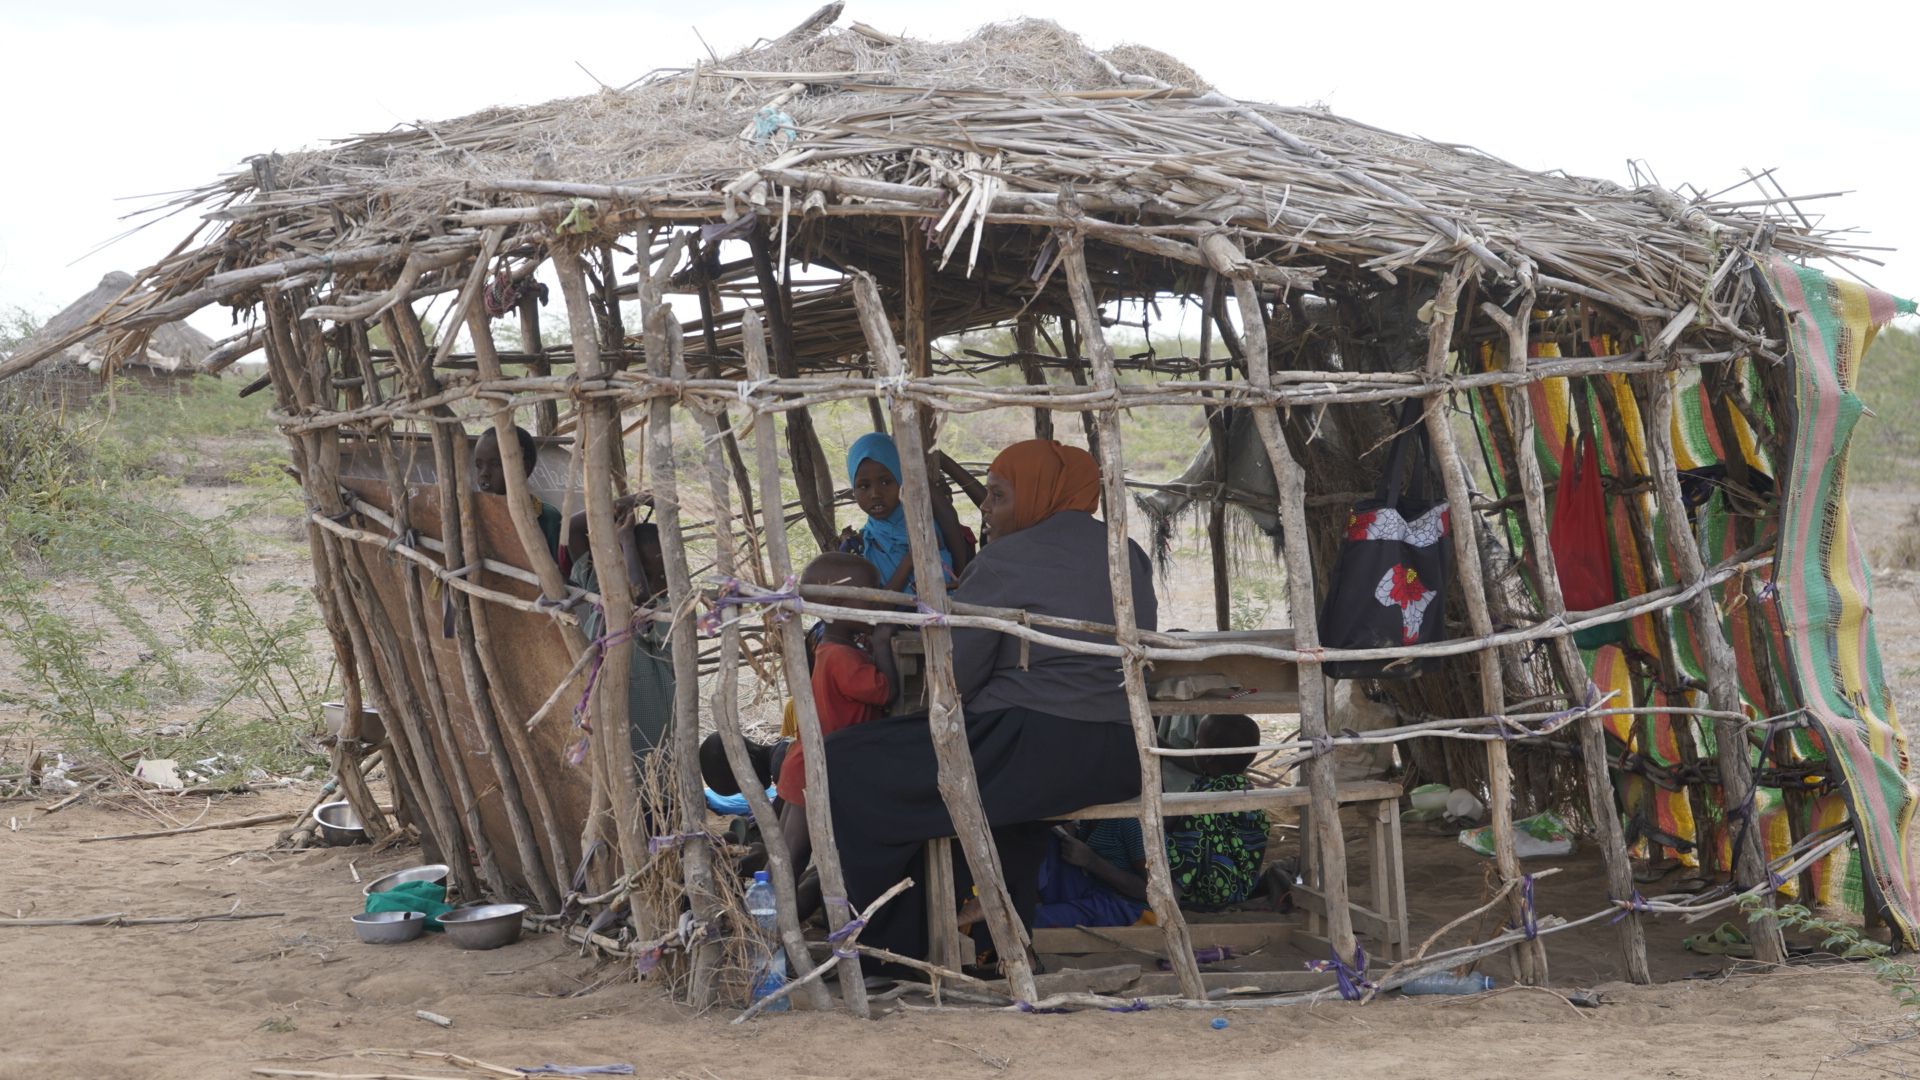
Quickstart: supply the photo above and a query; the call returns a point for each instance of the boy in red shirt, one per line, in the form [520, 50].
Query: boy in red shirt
[853, 680]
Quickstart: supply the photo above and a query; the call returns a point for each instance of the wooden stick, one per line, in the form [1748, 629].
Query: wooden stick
[690, 805]
[236, 823]
[1329, 841]
[1723, 674]
[946, 722]
[726, 719]
[612, 737]
[793, 658]
[1160, 893]
[1530, 959]
[121, 919]
[1593, 746]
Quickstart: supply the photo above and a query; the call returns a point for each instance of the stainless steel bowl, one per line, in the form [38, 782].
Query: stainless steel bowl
[372, 730]
[389, 927]
[488, 926]
[434, 872]
[338, 823]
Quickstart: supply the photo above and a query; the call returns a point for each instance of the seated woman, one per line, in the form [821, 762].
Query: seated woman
[1049, 732]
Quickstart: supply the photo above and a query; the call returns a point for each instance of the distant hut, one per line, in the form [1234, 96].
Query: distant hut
[170, 356]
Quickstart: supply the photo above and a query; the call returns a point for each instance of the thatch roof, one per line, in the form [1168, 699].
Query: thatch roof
[979, 140]
[173, 347]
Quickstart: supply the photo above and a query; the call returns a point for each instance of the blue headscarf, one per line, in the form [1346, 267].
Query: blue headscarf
[884, 540]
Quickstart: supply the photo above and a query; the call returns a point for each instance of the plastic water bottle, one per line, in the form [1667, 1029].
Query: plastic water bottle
[1445, 983]
[770, 966]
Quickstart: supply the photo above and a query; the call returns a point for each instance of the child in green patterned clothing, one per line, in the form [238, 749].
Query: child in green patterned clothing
[1096, 875]
[1215, 858]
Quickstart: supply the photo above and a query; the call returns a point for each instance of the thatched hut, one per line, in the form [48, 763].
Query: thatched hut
[164, 360]
[1731, 712]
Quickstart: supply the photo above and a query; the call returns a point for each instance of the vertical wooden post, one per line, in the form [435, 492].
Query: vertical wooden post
[1328, 837]
[726, 695]
[1723, 675]
[1593, 741]
[1530, 957]
[596, 435]
[1153, 827]
[915, 340]
[1217, 436]
[793, 658]
[803, 444]
[547, 413]
[1077, 372]
[945, 721]
[1025, 342]
[690, 805]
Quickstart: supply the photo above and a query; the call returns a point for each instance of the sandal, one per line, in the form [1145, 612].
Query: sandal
[1725, 940]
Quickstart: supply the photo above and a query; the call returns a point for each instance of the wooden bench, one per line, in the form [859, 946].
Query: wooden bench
[1384, 921]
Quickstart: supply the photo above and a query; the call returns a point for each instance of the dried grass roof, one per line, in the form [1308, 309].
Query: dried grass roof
[172, 347]
[989, 131]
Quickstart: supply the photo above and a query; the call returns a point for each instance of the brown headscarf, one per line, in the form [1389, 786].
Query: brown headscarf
[1048, 477]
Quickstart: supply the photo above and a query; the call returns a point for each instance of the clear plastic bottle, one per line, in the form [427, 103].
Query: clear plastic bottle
[1447, 983]
[770, 960]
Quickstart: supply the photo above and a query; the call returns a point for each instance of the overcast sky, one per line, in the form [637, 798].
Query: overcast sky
[109, 102]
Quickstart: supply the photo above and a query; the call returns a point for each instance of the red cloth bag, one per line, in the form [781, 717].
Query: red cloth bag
[1578, 536]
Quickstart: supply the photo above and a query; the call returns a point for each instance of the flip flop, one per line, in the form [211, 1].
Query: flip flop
[1725, 940]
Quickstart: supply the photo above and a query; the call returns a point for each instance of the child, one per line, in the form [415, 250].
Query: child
[873, 470]
[489, 475]
[853, 680]
[1215, 858]
[1097, 874]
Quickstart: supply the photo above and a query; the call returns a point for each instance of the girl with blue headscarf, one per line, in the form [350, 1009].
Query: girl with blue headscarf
[873, 470]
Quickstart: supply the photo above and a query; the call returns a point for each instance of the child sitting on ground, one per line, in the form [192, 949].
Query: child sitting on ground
[1097, 875]
[853, 680]
[873, 471]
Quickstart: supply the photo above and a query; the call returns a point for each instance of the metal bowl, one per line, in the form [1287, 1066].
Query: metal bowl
[434, 872]
[338, 823]
[488, 926]
[389, 927]
[372, 730]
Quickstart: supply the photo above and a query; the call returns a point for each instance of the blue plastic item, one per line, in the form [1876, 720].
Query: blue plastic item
[732, 805]
[1218, 1023]
[770, 967]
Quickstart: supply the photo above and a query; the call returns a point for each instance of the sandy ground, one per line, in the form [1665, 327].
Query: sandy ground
[295, 991]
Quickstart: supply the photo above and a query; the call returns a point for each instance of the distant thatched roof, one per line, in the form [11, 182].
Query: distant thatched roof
[173, 347]
[853, 131]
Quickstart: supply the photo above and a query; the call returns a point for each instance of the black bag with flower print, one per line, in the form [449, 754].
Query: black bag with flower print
[1389, 583]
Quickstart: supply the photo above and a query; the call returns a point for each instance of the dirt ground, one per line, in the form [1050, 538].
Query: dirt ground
[295, 991]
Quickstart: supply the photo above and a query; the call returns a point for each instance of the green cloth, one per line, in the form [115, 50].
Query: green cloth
[550, 525]
[424, 896]
[650, 679]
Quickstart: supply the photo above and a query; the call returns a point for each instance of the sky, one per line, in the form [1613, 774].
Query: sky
[111, 103]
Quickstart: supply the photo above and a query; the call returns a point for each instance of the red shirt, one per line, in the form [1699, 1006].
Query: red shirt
[847, 690]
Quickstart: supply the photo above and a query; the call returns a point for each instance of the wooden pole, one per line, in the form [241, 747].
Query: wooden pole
[1328, 837]
[596, 441]
[1530, 958]
[793, 658]
[726, 717]
[1723, 674]
[803, 444]
[1025, 343]
[1593, 740]
[1160, 893]
[689, 801]
[546, 414]
[945, 720]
